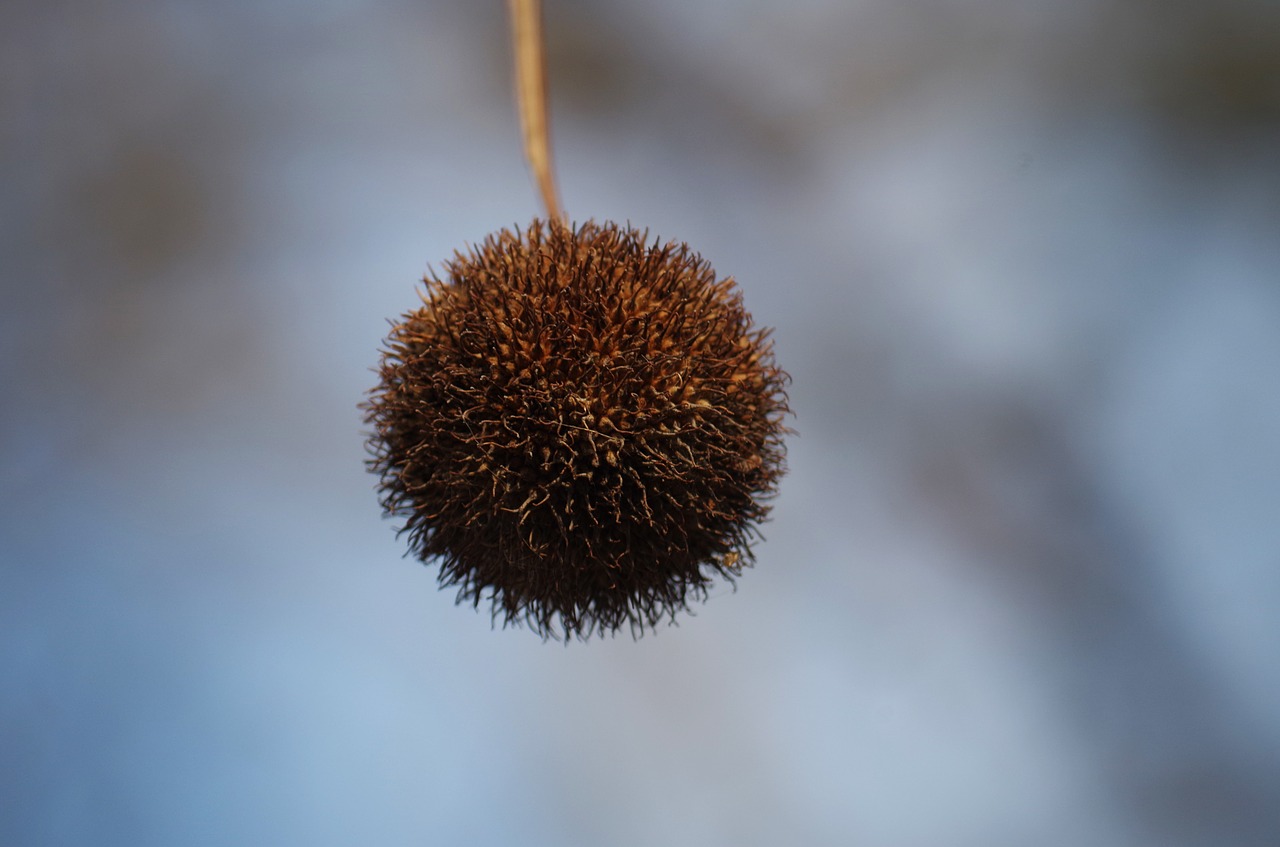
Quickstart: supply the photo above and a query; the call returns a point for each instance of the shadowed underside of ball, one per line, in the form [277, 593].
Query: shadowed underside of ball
[579, 425]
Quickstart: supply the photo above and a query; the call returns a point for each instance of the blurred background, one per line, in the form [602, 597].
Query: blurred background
[1022, 584]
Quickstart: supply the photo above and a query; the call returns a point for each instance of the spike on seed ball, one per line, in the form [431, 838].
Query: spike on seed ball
[579, 425]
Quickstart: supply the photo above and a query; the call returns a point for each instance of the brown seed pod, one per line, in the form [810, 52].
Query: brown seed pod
[581, 426]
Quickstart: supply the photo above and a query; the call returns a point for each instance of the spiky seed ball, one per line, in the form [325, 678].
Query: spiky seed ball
[580, 425]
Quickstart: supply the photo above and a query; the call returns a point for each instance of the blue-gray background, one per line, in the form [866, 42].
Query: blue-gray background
[1022, 586]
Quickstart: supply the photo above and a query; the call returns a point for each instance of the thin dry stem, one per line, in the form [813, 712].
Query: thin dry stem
[531, 94]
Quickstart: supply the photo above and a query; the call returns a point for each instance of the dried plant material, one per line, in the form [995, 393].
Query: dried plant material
[579, 425]
[531, 97]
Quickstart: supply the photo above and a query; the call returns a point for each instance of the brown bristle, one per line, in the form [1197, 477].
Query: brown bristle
[579, 425]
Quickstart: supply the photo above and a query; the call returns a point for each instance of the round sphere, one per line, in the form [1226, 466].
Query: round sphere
[580, 425]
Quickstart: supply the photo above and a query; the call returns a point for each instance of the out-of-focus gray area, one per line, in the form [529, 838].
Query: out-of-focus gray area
[1022, 584]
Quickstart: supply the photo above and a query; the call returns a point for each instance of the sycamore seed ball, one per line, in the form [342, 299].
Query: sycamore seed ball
[580, 426]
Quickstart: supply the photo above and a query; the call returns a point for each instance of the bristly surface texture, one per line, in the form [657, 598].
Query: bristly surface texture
[579, 425]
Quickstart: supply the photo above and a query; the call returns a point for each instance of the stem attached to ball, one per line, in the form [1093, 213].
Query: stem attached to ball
[531, 94]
